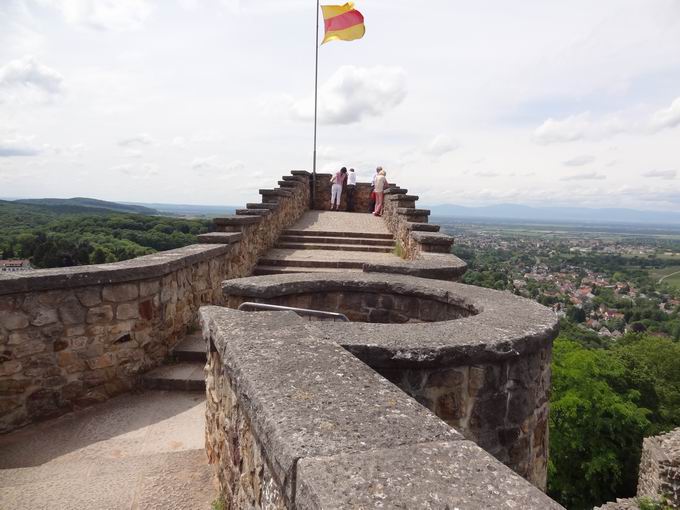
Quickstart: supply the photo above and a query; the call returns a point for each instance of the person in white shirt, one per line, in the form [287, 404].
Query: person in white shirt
[375, 176]
[351, 187]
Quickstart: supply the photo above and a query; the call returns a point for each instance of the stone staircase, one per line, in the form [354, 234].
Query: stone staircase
[329, 242]
[185, 371]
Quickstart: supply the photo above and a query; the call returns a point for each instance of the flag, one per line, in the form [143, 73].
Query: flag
[343, 22]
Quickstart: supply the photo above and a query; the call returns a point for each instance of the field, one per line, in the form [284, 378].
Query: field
[669, 275]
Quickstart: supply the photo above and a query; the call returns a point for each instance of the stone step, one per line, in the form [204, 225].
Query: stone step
[326, 233]
[364, 241]
[187, 376]
[264, 270]
[312, 263]
[191, 349]
[335, 247]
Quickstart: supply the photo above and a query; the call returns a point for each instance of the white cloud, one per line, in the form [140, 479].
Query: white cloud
[580, 127]
[141, 171]
[212, 165]
[201, 164]
[440, 145]
[667, 117]
[140, 139]
[579, 160]
[18, 146]
[585, 176]
[355, 93]
[661, 174]
[27, 74]
[118, 15]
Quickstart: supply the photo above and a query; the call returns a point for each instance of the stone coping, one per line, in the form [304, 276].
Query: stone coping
[505, 326]
[423, 476]
[220, 237]
[335, 434]
[431, 238]
[307, 397]
[140, 268]
[439, 266]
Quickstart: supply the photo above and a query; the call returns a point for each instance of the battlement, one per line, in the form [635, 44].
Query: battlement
[436, 392]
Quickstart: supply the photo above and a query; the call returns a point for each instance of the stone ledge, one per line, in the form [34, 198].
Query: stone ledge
[265, 205]
[396, 191]
[432, 238]
[140, 268]
[219, 238]
[438, 266]
[298, 390]
[428, 476]
[422, 227]
[407, 211]
[275, 193]
[505, 326]
[304, 173]
[253, 212]
[402, 197]
[237, 221]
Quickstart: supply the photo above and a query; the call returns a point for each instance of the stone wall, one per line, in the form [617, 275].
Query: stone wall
[84, 334]
[295, 421]
[660, 468]
[479, 359]
[75, 336]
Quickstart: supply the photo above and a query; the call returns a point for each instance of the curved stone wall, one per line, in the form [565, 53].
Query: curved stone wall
[296, 421]
[71, 337]
[487, 374]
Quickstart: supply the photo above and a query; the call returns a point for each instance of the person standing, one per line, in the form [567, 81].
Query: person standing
[380, 186]
[337, 182]
[351, 188]
[371, 206]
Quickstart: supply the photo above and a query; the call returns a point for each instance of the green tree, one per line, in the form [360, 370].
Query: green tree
[596, 427]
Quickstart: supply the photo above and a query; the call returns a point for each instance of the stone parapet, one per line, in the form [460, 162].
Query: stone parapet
[74, 336]
[478, 358]
[660, 468]
[296, 421]
[417, 238]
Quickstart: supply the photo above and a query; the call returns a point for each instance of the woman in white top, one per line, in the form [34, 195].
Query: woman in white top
[380, 186]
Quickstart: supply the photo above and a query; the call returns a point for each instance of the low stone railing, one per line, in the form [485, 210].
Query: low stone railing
[75, 336]
[299, 417]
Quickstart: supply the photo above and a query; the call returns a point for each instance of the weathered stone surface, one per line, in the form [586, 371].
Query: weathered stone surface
[99, 314]
[299, 390]
[123, 292]
[438, 475]
[126, 311]
[13, 320]
[660, 468]
[89, 296]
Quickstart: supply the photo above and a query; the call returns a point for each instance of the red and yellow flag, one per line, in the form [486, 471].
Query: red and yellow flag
[343, 23]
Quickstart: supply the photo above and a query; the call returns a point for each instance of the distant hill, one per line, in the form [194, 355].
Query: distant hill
[80, 204]
[190, 209]
[558, 214]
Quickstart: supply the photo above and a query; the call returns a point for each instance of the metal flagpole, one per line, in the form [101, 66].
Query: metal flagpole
[316, 83]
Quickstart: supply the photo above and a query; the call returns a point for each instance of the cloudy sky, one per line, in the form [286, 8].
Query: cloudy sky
[205, 101]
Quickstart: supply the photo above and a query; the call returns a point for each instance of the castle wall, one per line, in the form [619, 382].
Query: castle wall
[72, 337]
[296, 421]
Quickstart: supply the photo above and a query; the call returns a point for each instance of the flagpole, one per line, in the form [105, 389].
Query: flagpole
[316, 86]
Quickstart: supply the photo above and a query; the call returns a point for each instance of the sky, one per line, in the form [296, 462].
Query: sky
[472, 103]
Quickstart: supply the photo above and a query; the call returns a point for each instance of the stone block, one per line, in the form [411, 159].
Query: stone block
[99, 314]
[71, 311]
[89, 296]
[42, 316]
[120, 293]
[13, 320]
[127, 311]
[10, 368]
[149, 287]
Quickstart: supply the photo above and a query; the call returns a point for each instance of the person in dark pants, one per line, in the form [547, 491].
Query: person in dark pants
[351, 187]
[375, 176]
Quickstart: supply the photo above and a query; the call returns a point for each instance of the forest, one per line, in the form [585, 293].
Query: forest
[55, 236]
